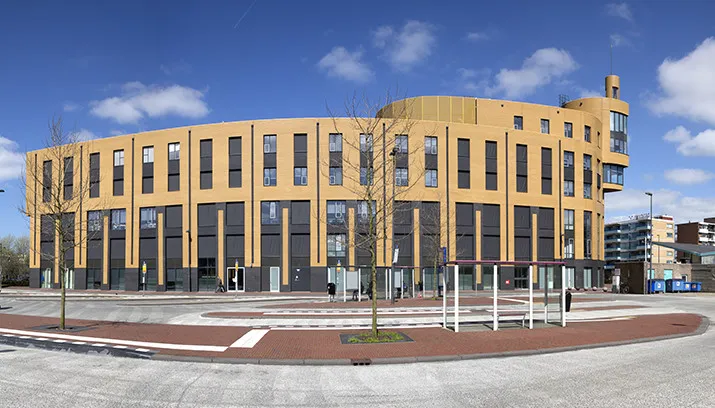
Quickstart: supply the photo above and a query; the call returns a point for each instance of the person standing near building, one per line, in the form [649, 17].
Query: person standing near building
[331, 292]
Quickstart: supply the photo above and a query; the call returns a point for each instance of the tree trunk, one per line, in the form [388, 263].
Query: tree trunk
[62, 299]
[373, 278]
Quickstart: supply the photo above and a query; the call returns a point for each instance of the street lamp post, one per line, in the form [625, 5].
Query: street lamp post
[649, 234]
[392, 210]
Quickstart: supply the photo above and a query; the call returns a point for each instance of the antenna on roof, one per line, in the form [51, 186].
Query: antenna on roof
[611, 43]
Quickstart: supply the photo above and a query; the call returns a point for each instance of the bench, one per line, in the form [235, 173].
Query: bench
[516, 313]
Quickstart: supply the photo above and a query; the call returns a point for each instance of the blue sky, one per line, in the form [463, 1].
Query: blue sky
[120, 67]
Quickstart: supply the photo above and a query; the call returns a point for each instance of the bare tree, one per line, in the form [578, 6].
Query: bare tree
[14, 259]
[379, 168]
[57, 189]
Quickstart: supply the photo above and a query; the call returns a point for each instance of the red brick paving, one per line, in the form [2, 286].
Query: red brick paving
[163, 333]
[325, 344]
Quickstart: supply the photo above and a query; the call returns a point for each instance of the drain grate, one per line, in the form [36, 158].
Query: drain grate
[360, 361]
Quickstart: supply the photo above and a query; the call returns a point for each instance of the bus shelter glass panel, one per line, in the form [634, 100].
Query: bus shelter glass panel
[488, 276]
[546, 277]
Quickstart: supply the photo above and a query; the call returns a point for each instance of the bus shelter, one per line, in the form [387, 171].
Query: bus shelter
[495, 290]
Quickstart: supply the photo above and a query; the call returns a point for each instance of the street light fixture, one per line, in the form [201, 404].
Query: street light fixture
[393, 153]
[649, 233]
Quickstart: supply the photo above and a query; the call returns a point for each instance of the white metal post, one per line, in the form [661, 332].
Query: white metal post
[387, 285]
[345, 286]
[359, 285]
[444, 297]
[531, 296]
[495, 283]
[402, 283]
[413, 284]
[456, 298]
[563, 296]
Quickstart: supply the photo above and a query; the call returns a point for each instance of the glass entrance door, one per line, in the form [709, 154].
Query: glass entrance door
[275, 279]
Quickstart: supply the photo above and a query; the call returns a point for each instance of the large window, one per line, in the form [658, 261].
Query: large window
[366, 176]
[269, 176]
[269, 143]
[587, 133]
[545, 126]
[270, 213]
[518, 122]
[568, 188]
[300, 176]
[94, 221]
[119, 158]
[119, 220]
[336, 212]
[336, 142]
[401, 143]
[430, 145]
[148, 154]
[568, 220]
[587, 190]
[431, 178]
[587, 162]
[613, 174]
[336, 176]
[568, 129]
[147, 218]
[363, 211]
[174, 151]
[365, 143]
[568, 159]
[569, 249]
[619, 133]
[336, 245]
[401, 178]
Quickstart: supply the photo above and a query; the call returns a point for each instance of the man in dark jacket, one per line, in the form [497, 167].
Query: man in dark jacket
[331, 292]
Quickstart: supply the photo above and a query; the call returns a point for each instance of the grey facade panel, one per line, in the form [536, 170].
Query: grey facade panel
[148, 169]
[207, 231]
[206, 164]
[464, 214]
[401, 160]
[174, 182]
[271, 246]
[118, 187]
[148, 248]
[208, 247]
[431, 161]
[463, 179]
[491, 248]
[174, 166]
[299, 245]
[131, 279]
[235, 178]
[206, 181]
[587, 176]
[235, 162]
[95, 249]
[569, 174]
[269, 160]
[117, 249]
[463, 164]
[336, 159]
[235, 246]
[173, 216]
[173, 248]
[300, 213]
[118, 172]
[235, 214]
[207, 215]
[465, 247]
[300, 143]
[147, 185]
[300, 160]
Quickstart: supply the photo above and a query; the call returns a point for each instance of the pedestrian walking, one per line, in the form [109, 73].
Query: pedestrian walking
[331, 292]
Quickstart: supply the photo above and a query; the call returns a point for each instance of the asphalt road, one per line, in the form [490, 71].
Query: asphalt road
[677, 373]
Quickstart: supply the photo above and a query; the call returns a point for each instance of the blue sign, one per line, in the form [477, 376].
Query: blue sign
[444, 254]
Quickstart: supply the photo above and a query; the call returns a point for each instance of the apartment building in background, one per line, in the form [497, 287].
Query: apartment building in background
[178, 209]
[630, 240]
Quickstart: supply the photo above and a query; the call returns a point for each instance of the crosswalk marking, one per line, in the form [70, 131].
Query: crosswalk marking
[250, 339]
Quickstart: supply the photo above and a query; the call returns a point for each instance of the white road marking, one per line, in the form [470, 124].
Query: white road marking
[526, 302]
[250, 339]
[143, 350]
[63, 338]
[99, 345]
[357, 328]
[361, 313]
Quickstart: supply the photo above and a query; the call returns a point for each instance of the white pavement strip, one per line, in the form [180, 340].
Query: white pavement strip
[249, 339]
[62, 338]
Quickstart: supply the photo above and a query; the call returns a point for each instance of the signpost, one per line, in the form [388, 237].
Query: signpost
[144, 275]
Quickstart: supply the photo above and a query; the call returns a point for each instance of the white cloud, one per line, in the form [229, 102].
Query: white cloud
[11, 161]
[702, 144]
[344, 64]
[84, 135]
[688, 85]
[70, 107]
[476, 36]
[472, 81]
[618, 40]
[688, 176]
[407, 47]
[181, 67]
[138, 101]
[682, 208]
[117, 132]
[541, 68]
[620, 10]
